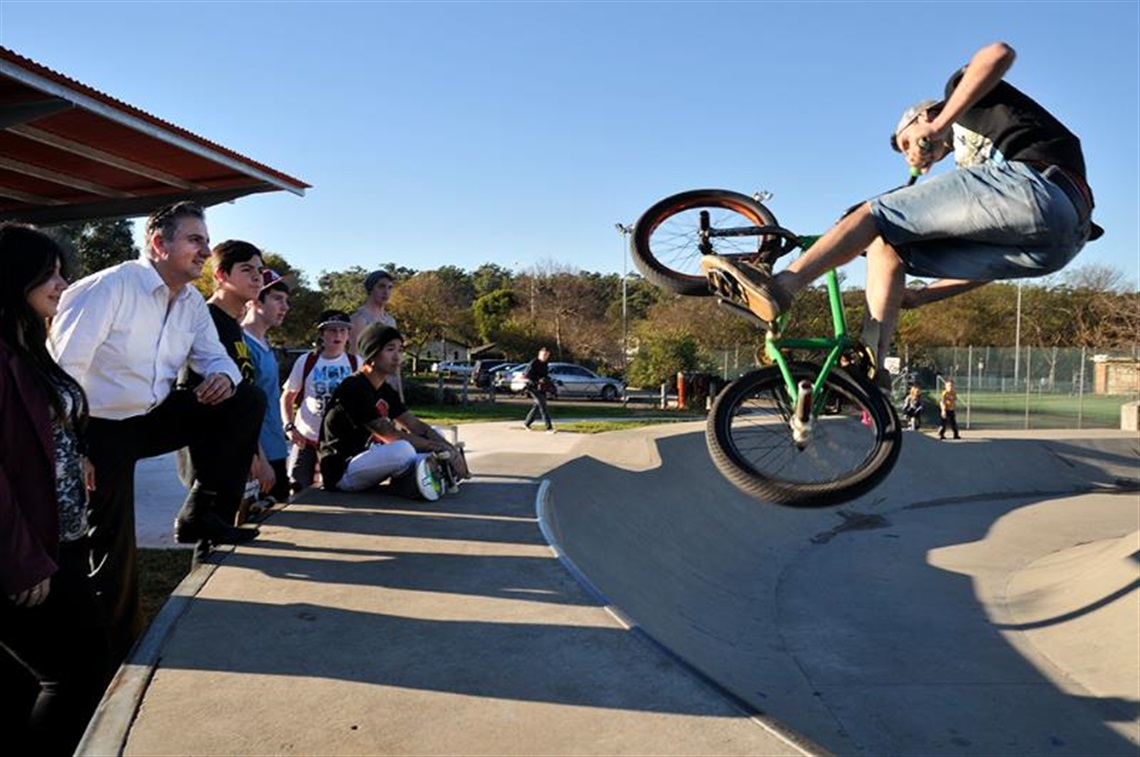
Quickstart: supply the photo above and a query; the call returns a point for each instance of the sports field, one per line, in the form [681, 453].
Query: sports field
[1040, 411]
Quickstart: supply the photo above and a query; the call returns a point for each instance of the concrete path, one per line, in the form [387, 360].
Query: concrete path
[367, 624]
[982, 601]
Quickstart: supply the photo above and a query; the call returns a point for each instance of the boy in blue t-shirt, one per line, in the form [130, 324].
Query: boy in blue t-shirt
[266, 312]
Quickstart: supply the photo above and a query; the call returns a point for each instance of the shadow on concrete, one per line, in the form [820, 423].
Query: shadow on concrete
[530, 662]
[486, 511]
[502, 577]
[857, 641]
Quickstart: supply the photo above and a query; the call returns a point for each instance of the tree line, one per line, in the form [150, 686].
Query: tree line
[585, 317]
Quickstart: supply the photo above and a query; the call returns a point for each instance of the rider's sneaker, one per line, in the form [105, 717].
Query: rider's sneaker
[748, 285]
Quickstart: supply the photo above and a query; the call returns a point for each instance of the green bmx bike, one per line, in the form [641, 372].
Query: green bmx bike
[800, 431]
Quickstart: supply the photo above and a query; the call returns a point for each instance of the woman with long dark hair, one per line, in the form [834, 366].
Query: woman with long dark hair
[48, 623]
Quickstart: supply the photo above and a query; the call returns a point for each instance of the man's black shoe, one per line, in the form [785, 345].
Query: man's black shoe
[210, 526]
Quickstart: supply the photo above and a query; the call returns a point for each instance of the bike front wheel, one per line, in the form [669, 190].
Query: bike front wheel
[670, 238]
[853, 443]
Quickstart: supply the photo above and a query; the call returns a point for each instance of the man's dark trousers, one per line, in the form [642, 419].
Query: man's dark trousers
[219, 437]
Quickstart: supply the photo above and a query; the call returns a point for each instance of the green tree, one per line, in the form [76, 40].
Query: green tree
[489, 278]
[427, 309]
[343, 290]
[305, 306]
[97, 244]
[491, 311]
[662, 356]
[458, 282]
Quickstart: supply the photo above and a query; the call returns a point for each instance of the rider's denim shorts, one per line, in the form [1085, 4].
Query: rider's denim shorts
[982, 223]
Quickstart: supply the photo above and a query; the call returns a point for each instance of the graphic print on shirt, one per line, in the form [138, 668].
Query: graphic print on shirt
[324, 380]
[239, 351]
[382, 409]
[973, 149]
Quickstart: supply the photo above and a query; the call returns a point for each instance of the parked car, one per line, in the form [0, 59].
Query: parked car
[502, 376]
[484, 371]
[574, 381]
[452, 368]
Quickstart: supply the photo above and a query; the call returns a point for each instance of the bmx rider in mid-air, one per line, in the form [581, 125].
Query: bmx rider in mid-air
[1018, 206]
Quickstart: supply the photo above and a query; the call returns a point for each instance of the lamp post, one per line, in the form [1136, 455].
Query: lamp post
[1017, 337]
[625, 231]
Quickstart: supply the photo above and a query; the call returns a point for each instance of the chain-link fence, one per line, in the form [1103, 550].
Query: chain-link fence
[1004, 387]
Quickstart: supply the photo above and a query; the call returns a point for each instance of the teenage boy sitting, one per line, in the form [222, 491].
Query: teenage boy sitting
[369, 436]
[307, 391]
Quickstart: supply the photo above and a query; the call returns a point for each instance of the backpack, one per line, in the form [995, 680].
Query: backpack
[310, 361]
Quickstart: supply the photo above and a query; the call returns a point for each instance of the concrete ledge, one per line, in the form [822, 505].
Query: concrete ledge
[1130, 416]
[107, 732]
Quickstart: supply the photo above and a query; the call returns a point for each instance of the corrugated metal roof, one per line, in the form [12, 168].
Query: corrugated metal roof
[70, 152]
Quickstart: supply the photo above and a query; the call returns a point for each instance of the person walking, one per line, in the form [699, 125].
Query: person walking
[48, 615]
[537, 375]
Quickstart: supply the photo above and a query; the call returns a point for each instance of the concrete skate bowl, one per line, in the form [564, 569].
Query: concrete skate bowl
[983, 600]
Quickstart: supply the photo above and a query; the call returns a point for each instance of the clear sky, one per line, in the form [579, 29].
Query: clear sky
[462, 133]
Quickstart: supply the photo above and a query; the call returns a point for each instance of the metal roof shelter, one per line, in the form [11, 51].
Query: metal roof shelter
[69, 152]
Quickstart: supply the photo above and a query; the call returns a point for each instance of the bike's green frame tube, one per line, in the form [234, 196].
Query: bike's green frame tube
[774, 345]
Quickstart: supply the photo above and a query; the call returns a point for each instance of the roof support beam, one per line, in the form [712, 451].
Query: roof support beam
[27, 169]
[14, 194]
[99, 156]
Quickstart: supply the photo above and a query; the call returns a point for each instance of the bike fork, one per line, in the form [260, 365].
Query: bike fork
[801, 417]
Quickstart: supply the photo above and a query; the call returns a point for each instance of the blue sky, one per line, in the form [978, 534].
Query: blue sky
[519, 133]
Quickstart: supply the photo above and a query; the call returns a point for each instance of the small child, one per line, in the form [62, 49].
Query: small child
[949, 406]
[912, 408]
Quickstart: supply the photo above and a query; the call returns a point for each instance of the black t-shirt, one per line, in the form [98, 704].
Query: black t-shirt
[536, 371]
[1008, 124]
[344, 432]
[233, 339]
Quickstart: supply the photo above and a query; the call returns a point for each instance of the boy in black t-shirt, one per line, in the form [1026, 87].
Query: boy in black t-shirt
[368, 435]
[238, 280]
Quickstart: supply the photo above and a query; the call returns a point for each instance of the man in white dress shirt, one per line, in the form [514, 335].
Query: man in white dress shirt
[124, 333]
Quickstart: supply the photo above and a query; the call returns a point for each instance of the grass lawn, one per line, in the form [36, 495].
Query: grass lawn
[160, 570]
[513, 409]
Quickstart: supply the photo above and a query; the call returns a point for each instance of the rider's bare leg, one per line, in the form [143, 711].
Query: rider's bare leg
[843, 242]
[886, 282]
[939, 290]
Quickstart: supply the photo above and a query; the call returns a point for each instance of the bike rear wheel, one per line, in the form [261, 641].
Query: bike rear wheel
[854, 442]
[667, 240]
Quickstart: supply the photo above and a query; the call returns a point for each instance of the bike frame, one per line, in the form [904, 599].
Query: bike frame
[775, 346]
[834, 346]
